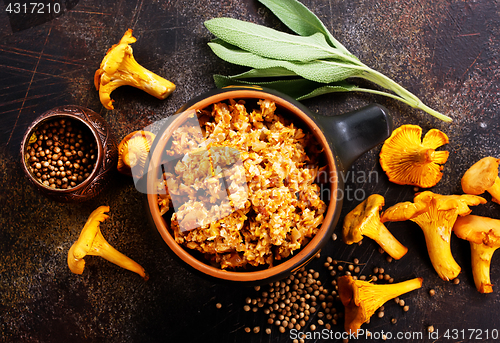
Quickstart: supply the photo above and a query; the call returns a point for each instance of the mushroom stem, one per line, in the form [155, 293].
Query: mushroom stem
[481, 259]
[424, 156]
[387, 241]
[377, 295]
[437, 238]
[133, 152]
[130, 159]
[361, 298]
[495, 191]
[135, 75]
[100, 247]
[441, 257]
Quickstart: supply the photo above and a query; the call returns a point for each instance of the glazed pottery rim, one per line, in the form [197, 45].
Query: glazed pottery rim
[55, 113]
[300, 257]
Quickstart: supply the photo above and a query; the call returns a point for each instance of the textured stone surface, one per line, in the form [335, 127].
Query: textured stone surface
[446, 52]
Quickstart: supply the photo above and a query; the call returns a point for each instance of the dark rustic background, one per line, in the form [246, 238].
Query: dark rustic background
[445, 51]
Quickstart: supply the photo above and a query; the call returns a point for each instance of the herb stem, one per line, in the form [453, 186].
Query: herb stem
[403, 94]
[382, 80]
[390, 95]
[432, 112]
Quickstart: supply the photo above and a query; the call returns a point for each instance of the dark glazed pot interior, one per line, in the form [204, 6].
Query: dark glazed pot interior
[290, 110]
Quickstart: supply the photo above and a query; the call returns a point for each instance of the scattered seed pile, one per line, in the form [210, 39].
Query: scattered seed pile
[292, 303]
[303, 303]
[61, 153]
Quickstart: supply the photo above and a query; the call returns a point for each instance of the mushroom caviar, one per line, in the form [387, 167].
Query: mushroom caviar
[61, 153]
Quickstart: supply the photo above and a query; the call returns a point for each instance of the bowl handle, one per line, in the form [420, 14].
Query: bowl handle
[354, 133]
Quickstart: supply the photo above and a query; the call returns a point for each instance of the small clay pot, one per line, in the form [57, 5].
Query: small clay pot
[105, 161]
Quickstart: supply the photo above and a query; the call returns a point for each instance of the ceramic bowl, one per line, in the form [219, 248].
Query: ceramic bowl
[343, 138]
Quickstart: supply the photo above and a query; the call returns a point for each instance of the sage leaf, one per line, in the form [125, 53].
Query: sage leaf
[264, 73]
[331, 88]
[298, 89]
[318, 70]
[271, 43]
[294, 88]
[301, 20]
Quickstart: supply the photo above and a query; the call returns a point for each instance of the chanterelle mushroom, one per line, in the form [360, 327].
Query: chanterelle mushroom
[409, 161]
[484, 236]
[483, 176]
[91, 242]
[119, 68]
[436, 214]
[361, 298]
[364, 220]
[133, 151]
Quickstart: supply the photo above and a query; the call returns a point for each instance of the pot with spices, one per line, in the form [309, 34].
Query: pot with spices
[68, 153]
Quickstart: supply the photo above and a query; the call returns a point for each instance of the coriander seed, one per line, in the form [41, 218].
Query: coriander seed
[45, 155]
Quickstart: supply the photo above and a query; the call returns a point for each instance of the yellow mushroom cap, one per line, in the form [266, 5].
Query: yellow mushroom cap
[479, 230]
[83, 245]
[115, 55]
[408, 210]
[429, 201]
[133, 151]
[409, 161]
[365, 215]
[481, 176]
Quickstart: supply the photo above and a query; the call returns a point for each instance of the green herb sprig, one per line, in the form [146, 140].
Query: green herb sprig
[303, 66]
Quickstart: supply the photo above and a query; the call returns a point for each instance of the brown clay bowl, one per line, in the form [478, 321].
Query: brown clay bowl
[343, 137]
[105, 161]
